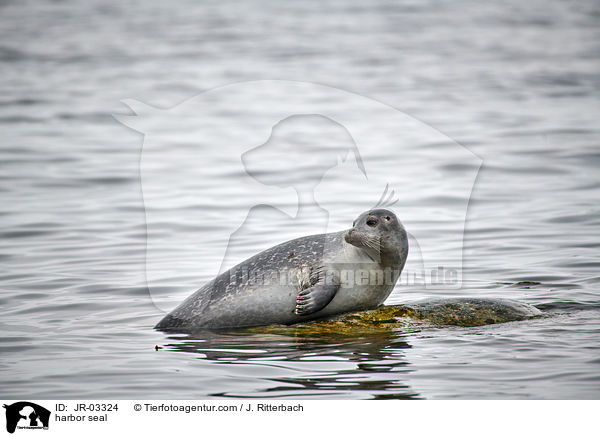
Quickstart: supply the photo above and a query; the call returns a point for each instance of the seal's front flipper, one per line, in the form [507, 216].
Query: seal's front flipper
[315, 298]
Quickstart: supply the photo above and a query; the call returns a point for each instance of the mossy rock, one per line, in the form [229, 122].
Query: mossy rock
[472, 312]
[465, 312]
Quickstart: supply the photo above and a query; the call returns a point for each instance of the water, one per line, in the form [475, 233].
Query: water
[517, 84]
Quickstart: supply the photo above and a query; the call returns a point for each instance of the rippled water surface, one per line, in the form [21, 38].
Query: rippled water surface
[515, 83]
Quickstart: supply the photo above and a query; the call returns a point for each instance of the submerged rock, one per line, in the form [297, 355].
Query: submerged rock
[471, 312]
[465, 312]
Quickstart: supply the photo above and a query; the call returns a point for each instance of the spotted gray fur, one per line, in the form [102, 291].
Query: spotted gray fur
[317, 266]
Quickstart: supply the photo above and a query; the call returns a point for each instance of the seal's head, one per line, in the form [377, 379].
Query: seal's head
[381, 235]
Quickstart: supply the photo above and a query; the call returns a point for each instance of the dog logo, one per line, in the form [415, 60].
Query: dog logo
[26, 415]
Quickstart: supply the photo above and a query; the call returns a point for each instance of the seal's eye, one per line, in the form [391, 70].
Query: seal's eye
[387, 218]
[371, 222]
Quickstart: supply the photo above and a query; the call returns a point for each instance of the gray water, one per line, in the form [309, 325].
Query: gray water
[515, 82]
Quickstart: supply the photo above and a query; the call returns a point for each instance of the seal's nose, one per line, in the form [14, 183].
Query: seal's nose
[348, 235]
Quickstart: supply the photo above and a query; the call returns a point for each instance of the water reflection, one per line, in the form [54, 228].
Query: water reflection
[362, 365]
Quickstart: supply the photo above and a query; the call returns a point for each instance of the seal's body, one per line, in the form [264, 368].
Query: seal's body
[306, 278]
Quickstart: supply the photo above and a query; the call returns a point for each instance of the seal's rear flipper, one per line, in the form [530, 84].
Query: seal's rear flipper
[315, 298]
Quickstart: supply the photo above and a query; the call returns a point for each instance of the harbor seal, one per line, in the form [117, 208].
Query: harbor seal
[303, 279]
